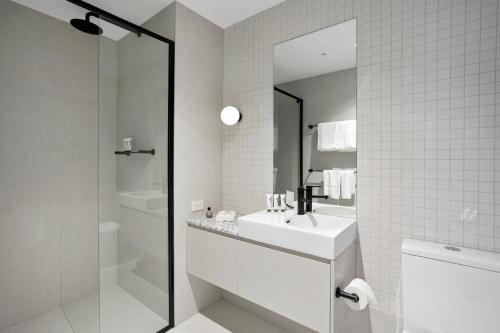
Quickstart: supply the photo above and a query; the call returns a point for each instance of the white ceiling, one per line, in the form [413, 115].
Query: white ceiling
[221, 12]
[329, 50]
[225, 13]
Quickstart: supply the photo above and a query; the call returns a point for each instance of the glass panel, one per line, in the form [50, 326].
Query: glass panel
[133, 121]
[48, 174]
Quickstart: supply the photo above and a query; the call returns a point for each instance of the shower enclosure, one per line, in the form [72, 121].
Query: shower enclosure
[86, 224]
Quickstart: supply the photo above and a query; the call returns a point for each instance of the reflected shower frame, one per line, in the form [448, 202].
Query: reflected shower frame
[300, 101]
[138, 30]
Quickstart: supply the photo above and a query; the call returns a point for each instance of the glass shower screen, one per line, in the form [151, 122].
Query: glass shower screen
[133, 183]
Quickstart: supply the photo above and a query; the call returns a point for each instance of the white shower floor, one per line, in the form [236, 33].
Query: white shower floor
[120, 312]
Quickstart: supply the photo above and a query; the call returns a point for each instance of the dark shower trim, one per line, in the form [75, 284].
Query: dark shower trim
[111, 18]
[170, 154]
[301, 132]
[170, 179]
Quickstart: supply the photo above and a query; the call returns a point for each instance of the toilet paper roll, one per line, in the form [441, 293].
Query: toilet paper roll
[364, 292]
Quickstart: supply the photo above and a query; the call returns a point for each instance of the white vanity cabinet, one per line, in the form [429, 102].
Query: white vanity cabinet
[213, 258]
[288, 284]
[295, 286]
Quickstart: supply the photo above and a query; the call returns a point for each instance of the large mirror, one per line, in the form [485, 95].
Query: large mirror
[315, 117]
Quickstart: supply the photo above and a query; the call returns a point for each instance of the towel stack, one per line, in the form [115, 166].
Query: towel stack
[339, 183]
[337, 136]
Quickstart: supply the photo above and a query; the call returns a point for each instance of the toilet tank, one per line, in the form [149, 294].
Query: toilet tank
[449, 289]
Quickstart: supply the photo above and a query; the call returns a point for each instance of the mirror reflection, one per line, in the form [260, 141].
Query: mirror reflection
[315, 118]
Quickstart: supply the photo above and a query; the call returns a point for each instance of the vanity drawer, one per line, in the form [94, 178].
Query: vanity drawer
[213, 258]
[293, 286]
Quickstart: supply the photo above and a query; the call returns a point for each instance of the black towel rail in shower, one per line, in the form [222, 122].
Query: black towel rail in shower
[317, 170]
[141, 151]
[312, 126]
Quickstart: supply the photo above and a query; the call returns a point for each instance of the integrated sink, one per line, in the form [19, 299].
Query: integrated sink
[144, 200]
[334, 210]
[319, 235]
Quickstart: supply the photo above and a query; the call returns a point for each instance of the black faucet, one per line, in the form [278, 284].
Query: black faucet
[305, 196]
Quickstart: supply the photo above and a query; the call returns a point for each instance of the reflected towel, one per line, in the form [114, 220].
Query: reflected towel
[349, 132]
[337, 136]
[347, 184]
[334, 184]
[326, 181]
[327, 136]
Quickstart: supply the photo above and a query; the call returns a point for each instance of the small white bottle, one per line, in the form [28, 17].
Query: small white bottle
[276, 204]
[269, 202]
[283, 202]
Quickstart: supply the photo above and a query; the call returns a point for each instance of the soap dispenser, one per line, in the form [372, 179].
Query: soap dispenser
[209, 213]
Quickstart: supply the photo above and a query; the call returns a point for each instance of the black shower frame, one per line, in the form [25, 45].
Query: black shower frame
[106, 16]
[300, 101]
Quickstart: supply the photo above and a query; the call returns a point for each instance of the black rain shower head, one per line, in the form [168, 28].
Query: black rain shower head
[87, 26]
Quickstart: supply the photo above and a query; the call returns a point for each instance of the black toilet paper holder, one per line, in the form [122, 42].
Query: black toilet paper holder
[340, 293]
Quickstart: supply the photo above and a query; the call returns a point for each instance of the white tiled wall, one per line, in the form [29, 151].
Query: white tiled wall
[429, 137]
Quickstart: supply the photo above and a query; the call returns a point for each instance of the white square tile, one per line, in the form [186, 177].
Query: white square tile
[428, 95]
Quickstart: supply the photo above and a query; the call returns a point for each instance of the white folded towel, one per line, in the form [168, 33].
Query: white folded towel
[327, 136]
[337, 136]
[349, 129]
[225, 216]
[334, 184]
[326, 181]
[347, 184]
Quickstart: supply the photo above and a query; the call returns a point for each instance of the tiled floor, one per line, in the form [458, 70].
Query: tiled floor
[120, 312]
[224, 317]
[50, 322]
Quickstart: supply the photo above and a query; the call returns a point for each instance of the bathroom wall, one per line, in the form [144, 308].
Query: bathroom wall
[198, 143]
[428, 91]
[327, 97]
[48, 168]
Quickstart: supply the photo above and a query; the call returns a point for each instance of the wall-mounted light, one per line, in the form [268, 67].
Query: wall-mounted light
[230, 115]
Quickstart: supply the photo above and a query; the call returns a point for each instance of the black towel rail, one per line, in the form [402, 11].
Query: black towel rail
[317, 170]
[141, 151]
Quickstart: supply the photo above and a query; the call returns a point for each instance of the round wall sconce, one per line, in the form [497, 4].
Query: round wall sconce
[230, 115]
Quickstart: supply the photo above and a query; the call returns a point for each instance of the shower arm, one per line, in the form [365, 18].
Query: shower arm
[114, 22]
[117, 23]
[105, 16]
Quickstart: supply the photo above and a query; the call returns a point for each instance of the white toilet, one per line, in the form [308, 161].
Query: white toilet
[449, 289]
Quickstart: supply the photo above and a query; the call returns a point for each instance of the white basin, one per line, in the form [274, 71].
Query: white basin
[334, 210]
[315, 234]
[143, 200]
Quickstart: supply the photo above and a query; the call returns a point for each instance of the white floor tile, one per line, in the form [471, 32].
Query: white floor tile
[119, 313]
[199, 323]
[224, 317]
[123, 313]
[50, 322]
[83, 315]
